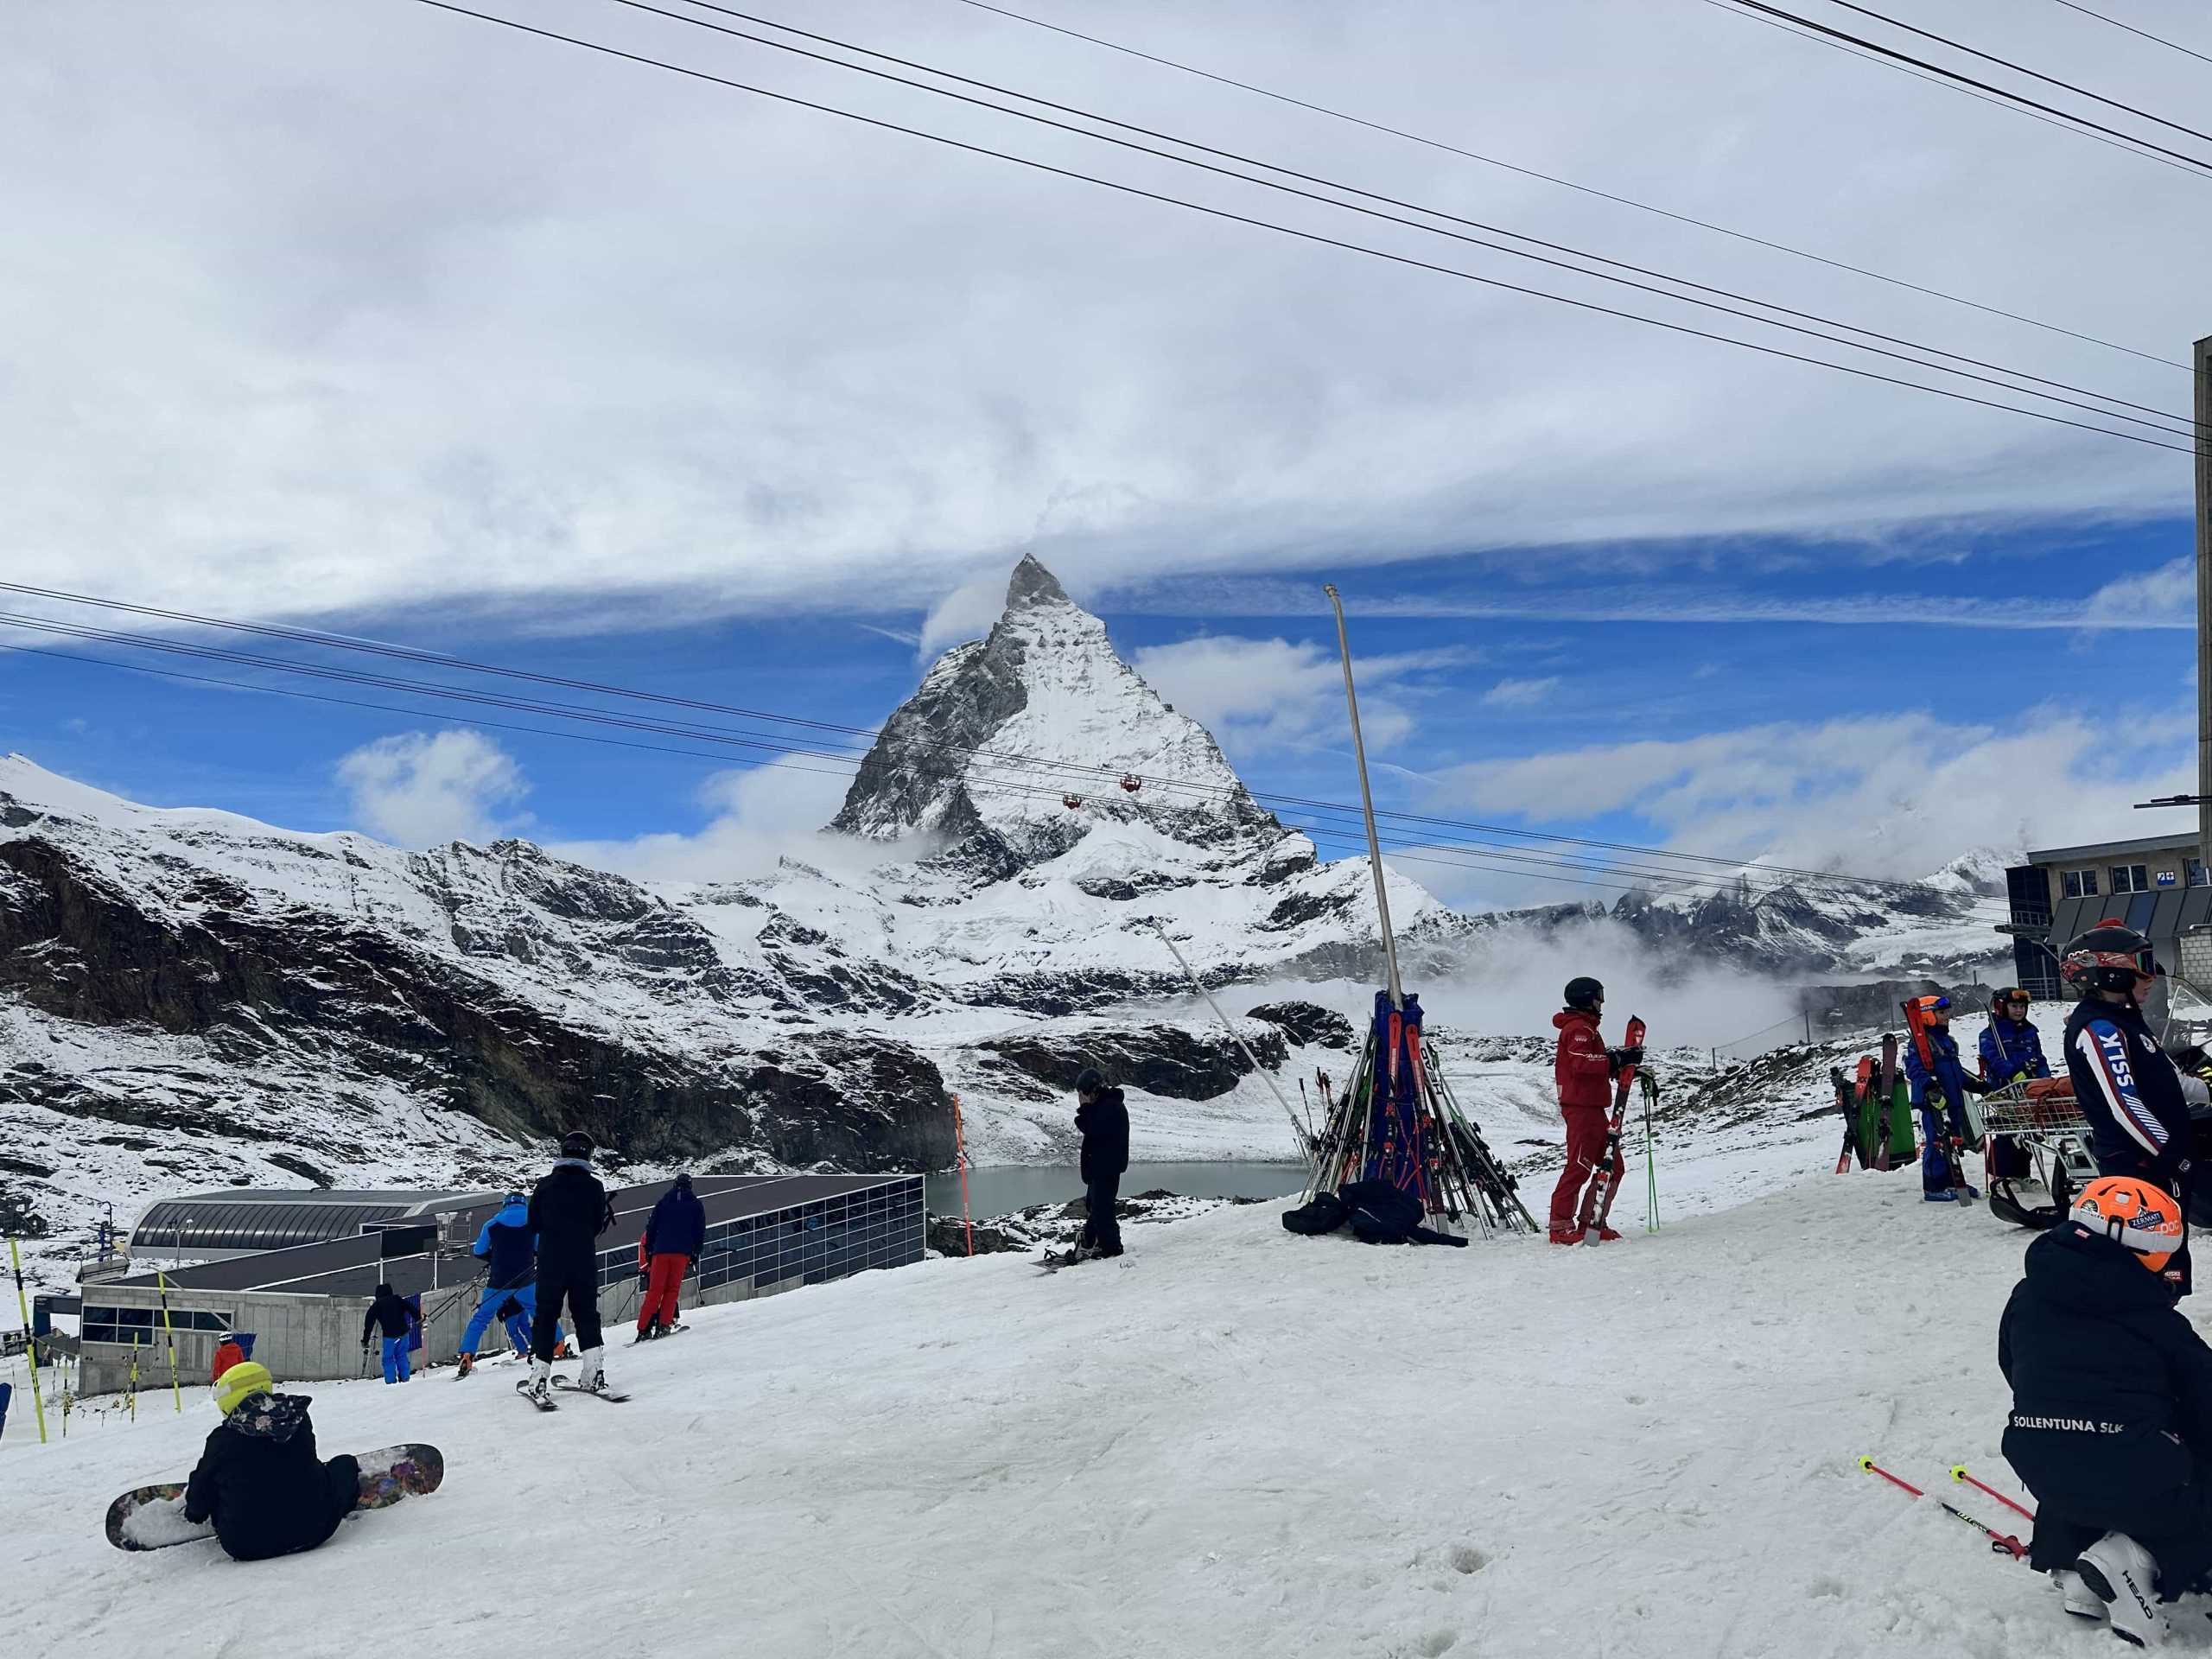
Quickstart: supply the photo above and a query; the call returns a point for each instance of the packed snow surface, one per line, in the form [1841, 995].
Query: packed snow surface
[1233, 1441]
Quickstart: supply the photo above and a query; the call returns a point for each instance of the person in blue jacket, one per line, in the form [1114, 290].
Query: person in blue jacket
[1940, 1084]
[674, 1236]
[507, 1245]
[2012, 1048]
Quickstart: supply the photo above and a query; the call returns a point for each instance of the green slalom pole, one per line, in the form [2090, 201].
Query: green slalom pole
[30, 1346]
[1650, 1165]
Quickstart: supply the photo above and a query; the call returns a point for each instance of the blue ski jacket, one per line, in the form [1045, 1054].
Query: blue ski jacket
[508, 1248]
[2012, 1048]
[1948, 1077]
[678, 1226]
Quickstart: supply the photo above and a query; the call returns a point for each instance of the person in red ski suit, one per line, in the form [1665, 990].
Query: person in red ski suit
[1584, 1069]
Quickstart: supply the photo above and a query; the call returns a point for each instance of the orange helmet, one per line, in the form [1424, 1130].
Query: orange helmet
[2144, 1218]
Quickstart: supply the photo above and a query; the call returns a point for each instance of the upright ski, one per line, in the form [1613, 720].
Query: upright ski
[1889, 1085]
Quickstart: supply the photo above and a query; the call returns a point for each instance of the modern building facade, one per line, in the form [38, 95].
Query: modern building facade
[2154, 884]
[304, 1302]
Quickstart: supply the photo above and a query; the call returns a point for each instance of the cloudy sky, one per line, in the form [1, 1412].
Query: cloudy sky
[382, 319]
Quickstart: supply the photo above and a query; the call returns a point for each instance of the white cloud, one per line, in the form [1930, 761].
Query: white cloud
[418, 789]
[761, 814]
[338, 307]
[1255, 694]
[1519, 694]
[1894, 795]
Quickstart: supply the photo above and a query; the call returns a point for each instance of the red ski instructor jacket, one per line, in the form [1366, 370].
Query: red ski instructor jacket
[1584, 1074]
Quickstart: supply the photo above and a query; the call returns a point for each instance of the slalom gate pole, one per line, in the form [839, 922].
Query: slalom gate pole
[169, 1329]
[1959, 1473]
[960, 1150]
[2001, 1542]
[30, 1344]
[134, 1377]
[1229, 1026]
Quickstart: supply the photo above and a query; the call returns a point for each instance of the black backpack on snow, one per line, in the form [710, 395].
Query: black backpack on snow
[1325, 1215]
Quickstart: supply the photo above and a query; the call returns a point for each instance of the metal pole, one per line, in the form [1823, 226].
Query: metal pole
[1367, 804]
[2203, 358]
[1226, 1025]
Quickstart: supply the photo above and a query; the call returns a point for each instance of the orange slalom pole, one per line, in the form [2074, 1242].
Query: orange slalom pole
[960, 1149]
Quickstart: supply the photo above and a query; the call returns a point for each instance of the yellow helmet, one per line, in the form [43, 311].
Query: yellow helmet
[240, 1384]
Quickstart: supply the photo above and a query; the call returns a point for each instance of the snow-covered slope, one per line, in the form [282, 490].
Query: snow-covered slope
[1232, 1441]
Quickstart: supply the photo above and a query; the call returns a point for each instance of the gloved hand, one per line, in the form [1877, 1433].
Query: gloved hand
[2191, 1058]
[1617, 1058]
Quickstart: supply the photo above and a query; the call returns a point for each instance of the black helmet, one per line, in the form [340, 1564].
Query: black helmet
[1584, 992]
[577, 1144]
[2008, 995]
[684, 1180]
[2110, 956]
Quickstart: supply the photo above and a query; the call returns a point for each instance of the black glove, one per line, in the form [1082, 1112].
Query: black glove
[1617, 1058]
[2191, 1059]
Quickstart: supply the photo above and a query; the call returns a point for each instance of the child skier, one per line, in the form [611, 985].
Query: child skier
[1940, 1085]
[2136, 1100]
[2112, 1409]
[2010, 1048]
[259, 1480]
[675, 1234]
[1584, 1069]
[389, 1313]
[228, 1352]
[567, 1212]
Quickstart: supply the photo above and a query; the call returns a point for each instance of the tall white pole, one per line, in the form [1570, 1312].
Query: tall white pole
[1367, 805]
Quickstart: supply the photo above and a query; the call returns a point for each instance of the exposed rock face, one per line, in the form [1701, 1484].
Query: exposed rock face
[1307, 1024]
[1159, 1059]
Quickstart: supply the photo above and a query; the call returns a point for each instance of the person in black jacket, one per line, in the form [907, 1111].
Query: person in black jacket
[388, 1313]
[2136, 1100]
[259, 1480]
[2112, 1408]
[1103, 1121]
[569, 1212]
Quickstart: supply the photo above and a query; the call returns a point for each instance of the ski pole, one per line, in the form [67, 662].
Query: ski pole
[960, 1150]
[30, 1344]
[1959, 1473]
[1998, 1540]
[1650, 1085]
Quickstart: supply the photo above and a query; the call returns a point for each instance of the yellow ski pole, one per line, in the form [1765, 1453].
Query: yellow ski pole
[38, 1405]
[133, 1376]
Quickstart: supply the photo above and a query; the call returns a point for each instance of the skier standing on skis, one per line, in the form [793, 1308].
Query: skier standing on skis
[569, 1212]
[258, 1478]
[1584, 1069]
[2136, 1100]
[1941, 1084]
[1102, 1118]
[675, 1234]
[2112, 1409]
[388, 1312]
[507, 1246]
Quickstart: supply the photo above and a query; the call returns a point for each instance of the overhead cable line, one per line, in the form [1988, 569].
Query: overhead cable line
[1828, 34]
[1404, 849]
[2188, 51]
[1314, 237]
[998, 769]
[1570, 184]
[2165, 421]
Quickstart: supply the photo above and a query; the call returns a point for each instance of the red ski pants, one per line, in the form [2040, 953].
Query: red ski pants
[666, 1279]
[1586, 1146]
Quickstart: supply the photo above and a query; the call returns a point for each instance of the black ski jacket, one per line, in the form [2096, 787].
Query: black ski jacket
[2112, 1387]
[260, 1482]
[387, 1310]
[569, 1211]
[1104, 1124]
[2130, 1092]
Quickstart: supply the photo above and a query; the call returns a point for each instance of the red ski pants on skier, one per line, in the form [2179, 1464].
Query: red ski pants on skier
[665, 1280]
[1586, 1146]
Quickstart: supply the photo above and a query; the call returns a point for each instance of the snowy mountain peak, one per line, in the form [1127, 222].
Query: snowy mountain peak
[1005, 732]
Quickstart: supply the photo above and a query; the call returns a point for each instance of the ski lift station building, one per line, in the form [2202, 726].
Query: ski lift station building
[298, 1268]
[2153, 883]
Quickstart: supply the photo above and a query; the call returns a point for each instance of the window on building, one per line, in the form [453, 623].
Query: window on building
[2088, 884]
[2131, 878]
[124, 1325]
[2070, 882]
[2193, 872]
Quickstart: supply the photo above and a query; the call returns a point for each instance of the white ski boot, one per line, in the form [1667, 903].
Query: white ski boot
[591, 1379]
[2122, 1574]
[539, 1388]
[2076, 1597]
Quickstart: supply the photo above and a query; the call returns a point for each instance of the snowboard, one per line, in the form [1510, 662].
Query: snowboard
[152, 1517]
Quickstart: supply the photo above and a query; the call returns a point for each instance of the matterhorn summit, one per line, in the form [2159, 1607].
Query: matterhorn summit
[1031, 737]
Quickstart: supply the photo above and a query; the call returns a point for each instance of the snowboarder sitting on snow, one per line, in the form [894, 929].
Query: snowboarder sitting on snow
[507, 1246]
[388, 1312]
[1583, 1068]
[1103, 1120]
[569, 1212]
[2136, 1100]
[259, 1480]
[1941, 1084]
[675, 1234]
[2112, 1409]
